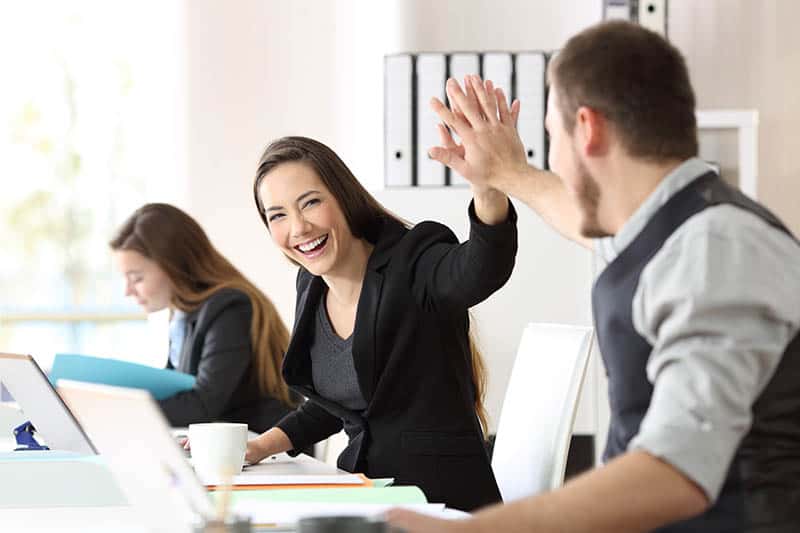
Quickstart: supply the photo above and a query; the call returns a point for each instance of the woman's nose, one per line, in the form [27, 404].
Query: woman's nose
[300, 226]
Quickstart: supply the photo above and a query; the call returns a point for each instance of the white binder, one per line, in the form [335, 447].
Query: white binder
[462, 64]
[529, 83]
[497, 66]
[653, 15]
[398, 117]
[431, 77]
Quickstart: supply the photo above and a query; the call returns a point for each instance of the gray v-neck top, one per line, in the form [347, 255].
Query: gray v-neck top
[332, 367]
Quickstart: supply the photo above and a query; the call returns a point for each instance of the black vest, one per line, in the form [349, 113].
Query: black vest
[762, 489]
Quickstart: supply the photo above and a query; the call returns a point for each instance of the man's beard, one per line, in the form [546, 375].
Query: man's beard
[588, 198]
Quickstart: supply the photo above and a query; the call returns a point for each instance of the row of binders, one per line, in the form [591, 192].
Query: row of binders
[411, 80]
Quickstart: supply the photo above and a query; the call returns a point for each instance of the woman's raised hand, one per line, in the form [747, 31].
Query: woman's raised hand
[491, 152]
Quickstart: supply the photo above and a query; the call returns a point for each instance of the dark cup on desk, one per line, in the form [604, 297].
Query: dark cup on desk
[343, 524]
[232, 525]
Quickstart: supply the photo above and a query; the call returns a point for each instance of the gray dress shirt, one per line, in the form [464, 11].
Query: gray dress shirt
[719, 304]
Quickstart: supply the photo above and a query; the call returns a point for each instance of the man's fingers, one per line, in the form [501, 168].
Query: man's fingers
[456, 110]
[453, 158]
[502, 107]
[454, 121]
[466, 103]
[446, 137]
[490, 110]
[515, 111]
[488, 107]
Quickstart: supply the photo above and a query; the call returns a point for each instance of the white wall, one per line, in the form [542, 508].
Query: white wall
[262, 69]
[266, 69]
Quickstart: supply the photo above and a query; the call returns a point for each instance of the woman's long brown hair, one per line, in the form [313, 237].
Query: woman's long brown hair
[179, 246]
[362, 211]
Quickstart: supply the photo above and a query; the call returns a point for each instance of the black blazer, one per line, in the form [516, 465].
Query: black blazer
[217, 350]
[412, 359]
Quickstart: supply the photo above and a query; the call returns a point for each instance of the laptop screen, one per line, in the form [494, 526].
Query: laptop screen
[136, 442]
[42, 405]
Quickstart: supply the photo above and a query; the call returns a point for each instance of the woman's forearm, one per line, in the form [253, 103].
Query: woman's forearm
[491, 206]
[270, 442]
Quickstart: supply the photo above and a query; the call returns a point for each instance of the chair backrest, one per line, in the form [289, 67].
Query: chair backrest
[530, 451]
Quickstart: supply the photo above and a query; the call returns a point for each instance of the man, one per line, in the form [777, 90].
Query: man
[696, 312]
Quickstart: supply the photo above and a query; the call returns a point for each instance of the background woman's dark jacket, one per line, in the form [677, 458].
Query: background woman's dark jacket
[217, 349]
[412, 359]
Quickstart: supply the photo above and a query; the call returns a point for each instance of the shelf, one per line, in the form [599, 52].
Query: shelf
[745, 121]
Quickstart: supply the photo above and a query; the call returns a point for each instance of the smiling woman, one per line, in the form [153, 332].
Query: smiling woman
[381, 343]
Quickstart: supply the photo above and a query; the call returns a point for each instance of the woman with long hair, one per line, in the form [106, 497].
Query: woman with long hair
[381, 344]
[223, 329]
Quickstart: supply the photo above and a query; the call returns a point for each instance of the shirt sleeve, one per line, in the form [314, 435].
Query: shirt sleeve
[308, 424]
[719, 322]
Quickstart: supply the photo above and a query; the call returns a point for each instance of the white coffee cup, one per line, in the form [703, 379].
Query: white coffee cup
[218, 450]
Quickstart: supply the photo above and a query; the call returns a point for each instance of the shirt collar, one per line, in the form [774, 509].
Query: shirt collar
[609, 247]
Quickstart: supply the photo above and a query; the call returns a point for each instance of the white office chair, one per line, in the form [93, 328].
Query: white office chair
[530, 451]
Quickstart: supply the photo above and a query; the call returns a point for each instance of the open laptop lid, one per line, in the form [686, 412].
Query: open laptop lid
[42, 405]
[134, 438]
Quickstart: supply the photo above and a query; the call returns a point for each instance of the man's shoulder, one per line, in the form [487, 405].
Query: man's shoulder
[729, 237]
[733, 224]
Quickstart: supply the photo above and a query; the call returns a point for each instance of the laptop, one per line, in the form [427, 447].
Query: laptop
[136, 441]
[42, 405]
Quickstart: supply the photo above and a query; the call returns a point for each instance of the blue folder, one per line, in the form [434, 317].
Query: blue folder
[161, 383]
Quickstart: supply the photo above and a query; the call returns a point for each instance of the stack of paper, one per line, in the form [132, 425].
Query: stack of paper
[265, 481]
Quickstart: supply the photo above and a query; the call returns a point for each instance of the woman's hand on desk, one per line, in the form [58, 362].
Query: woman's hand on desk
[255, 452]
[268, 443]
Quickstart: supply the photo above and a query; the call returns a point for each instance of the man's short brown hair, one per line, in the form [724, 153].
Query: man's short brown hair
[634, 78]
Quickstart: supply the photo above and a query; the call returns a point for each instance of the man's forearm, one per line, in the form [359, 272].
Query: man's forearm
[634, 493]
[545, 193]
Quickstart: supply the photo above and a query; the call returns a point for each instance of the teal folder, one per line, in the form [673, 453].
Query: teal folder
[161, 383]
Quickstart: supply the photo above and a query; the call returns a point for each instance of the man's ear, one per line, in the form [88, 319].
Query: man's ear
[591, 131]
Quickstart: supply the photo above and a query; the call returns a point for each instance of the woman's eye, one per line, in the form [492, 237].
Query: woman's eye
[313, 201]
[275, 217]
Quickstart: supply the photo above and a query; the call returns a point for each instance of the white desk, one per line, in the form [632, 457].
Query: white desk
[114, 518]
[71, 520]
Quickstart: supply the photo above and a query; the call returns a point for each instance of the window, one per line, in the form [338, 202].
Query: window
[90, 128]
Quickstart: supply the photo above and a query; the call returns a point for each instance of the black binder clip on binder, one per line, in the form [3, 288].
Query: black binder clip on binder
[25, 439]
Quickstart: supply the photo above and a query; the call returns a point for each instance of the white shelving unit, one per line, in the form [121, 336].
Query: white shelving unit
[745, 121]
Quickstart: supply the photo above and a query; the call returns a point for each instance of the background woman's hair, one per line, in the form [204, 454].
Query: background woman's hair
[364, 215]
[179, 246]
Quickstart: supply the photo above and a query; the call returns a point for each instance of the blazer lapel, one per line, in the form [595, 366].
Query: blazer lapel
[364, 338]
[365, 334]
[297, 362]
